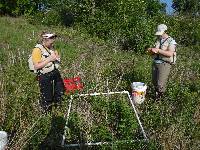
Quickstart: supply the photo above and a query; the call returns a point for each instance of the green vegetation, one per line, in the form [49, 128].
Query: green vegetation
[103, 42]
[128, 24]
[173, 123]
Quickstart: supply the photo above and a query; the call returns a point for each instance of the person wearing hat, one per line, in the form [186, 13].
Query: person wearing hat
[46, 61]
[164, 55]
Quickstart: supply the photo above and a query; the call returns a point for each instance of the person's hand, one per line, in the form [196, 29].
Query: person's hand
[52, 57]
[58, 57]
[148, 50]
[155, 50]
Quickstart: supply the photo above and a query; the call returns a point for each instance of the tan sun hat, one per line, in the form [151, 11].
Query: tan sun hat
[161, 29]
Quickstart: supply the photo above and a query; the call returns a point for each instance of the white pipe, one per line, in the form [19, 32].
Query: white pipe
[68, 112]
[122, 92]
[108, 93]
[102, 143]
[144, 134]
[96, 94]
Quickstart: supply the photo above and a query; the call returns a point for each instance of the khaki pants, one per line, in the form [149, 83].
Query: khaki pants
[160, 73]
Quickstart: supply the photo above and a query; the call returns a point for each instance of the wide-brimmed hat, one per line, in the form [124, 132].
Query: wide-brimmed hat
[161, 29]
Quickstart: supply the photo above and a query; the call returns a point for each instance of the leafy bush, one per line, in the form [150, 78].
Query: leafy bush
[184, 29]
[123, 22]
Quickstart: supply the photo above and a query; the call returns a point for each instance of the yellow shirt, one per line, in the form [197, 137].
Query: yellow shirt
[37, 55]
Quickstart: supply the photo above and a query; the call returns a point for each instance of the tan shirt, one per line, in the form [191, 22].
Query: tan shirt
[166, 45]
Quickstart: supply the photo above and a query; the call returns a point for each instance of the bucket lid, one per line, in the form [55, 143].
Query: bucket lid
[138, 86]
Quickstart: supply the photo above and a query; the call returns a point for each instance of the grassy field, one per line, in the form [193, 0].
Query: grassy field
[173, 123]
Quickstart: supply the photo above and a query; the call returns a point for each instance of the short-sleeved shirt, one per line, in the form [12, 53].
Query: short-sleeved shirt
[37, 55]
[165, 44]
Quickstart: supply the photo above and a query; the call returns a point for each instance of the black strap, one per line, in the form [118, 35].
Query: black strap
[49, 54]
[161, 43]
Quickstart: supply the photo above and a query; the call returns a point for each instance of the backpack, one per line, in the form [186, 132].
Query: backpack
[30, 61]
[31, 65]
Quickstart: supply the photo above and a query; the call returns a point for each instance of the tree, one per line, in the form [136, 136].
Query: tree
[7, 6]
[154, 7]
[187, 7]
[19, 7]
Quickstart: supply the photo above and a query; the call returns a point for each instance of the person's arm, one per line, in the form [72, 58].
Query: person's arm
[168, 53]
[156, 45]
[37, 59]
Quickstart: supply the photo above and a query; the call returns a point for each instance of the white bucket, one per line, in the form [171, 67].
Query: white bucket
[3, 140]
[138, 92]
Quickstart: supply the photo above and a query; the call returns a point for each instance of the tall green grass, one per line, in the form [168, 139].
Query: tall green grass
[173, 123]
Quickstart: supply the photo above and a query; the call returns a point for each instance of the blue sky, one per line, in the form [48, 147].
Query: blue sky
[169, 4]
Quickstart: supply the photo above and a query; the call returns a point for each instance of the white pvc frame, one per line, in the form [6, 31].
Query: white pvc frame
[101, 143]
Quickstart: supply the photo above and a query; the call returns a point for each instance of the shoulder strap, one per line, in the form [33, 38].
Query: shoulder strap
[161, 43]
[42, 48]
